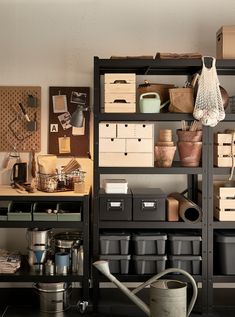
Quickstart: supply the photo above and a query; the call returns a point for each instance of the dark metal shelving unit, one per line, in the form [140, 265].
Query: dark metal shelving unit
[185, 67]
[24, 274]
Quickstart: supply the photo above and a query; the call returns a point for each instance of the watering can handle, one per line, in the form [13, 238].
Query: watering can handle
[150, 93]
[168, 271]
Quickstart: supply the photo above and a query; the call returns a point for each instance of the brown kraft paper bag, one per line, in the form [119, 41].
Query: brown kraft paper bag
[181, 100]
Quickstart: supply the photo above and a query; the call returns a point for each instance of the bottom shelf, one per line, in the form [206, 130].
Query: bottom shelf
[24, 274]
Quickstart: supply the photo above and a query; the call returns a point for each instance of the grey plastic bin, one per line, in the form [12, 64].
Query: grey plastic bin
[118, 264]
[185, 244]
[189, 263]
[19, 211]
[146, 243]
[69, 211]
[225, 243]
[40, 211]
[149, 264]
[117, 243]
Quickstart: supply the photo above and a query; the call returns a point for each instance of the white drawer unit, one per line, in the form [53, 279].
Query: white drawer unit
[112, 145]
[126, 159]
[135, 130]
[107, 130]
[127, 149]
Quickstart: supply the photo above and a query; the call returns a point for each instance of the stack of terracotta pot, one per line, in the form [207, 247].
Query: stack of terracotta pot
[189, 147]
[165, 149]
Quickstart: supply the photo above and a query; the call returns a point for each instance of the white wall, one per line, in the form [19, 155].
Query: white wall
[52, 43]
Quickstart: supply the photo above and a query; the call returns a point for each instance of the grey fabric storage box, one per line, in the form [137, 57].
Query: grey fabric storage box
[189, 263]
[146, 243]
[185, 244]
[69, 211]
[149, 264]
[19, 211]
[115, 206]
[225, 244]
[118, 264]
[117, 243]
[149, 204]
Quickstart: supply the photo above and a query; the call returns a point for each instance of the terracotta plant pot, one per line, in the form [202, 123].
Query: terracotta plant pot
[190, 153]
[164, 155]
[189, 136]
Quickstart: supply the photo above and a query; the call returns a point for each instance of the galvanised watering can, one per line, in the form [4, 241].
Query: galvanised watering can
[168, 298]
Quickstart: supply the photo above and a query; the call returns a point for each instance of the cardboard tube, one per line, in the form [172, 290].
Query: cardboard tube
[188, 210]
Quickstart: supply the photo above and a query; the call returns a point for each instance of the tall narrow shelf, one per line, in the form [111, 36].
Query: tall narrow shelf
[24, 274]
[149, 67]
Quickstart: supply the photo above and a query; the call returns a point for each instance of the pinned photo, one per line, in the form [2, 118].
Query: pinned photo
[65, 120]
[59, 103]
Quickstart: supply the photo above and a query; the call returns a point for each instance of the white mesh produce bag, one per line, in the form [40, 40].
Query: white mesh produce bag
[208, 105]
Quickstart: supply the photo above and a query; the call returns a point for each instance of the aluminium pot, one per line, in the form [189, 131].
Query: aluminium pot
[66, 240]
[53, 297]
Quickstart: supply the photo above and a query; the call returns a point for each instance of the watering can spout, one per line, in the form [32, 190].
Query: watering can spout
[173, 291]
[103, 267]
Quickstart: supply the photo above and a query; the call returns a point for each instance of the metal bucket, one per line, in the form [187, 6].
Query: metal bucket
[53, 297]
[168, 298]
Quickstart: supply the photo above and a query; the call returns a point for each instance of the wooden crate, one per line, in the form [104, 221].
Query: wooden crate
[121, 107]
[224, 202]
[224, 146]
[128, 78]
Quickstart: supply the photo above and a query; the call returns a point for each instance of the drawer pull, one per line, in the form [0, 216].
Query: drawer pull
[150, 205]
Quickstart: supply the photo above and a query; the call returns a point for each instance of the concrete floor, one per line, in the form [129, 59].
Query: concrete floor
[29, 311]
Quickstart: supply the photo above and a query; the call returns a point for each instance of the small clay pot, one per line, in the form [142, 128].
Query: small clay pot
[189, 136]
[164, 155]
[190, 153]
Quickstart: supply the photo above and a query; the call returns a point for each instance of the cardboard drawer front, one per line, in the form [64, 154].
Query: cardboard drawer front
[107, 130]
[126, 130]
[139, 145]
[144, 130]
[135, 130]
[121, 77]
[126, 159]
[112, 145]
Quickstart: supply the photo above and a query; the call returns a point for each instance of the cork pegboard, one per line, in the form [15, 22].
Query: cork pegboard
[15, 130]
[60, 131]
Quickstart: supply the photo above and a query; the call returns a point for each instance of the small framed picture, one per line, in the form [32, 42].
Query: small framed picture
[59, 103]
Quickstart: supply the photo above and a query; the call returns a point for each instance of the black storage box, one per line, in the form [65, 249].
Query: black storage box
[149, 204]
[225, 245]
[115, 206]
